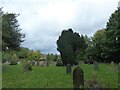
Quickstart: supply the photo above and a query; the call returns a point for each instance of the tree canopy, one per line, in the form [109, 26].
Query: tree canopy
[69, 45]
[11, 32]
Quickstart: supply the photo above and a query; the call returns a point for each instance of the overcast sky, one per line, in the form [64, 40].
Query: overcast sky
[43, 20]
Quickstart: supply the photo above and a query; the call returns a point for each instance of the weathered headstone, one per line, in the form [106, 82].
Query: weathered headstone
[112, 62]
[42, 63]
[18, 62]
[119, 67]
[27, 66]
[68, 69]
[54, 63]
[35, 63]
[47, 63]
[96, 65]
[78, 78]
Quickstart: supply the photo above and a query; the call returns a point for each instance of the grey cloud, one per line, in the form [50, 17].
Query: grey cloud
[42, 33]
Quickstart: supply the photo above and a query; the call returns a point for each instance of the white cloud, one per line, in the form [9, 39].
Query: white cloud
[43, 20]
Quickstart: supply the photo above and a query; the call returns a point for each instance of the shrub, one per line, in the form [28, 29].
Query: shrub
[6, 56]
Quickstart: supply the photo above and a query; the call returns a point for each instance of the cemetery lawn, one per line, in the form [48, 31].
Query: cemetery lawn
[56, 77]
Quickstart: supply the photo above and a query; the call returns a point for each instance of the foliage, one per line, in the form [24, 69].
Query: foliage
[113, 37]
[23, 53]
[55, 58]
[11, 35]
[81, 55]
[6, 56]
[104, 45]
[69, 45]
[34, 55]
[100, 41]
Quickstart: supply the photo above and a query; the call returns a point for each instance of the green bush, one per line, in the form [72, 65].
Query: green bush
[6, 56]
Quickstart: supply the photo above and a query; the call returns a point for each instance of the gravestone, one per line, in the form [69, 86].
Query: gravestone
[78, 78]
[68, 69]
[47, 63]
[18, 62]
[54, 64]
[27, 66]
[112, 62]
[119, 67]
[35, 63]
[42, 63]
[96, 66]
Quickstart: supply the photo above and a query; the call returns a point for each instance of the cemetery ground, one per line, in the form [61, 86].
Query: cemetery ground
[56, 77]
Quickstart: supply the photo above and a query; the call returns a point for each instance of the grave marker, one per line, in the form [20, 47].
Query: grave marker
[68, 69]
[78, 78]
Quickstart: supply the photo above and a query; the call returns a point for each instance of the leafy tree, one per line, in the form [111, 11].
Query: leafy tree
[81, 54]
[50, 57]
[1, 13]
[55, 57]
[35, 55]
[11, 35]
[100, 41]
[23, 53]
[113, 36]
[69, 45]
[6, 56]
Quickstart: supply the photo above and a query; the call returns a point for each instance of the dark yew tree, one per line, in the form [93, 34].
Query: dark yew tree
[69, 45]
[11, 35]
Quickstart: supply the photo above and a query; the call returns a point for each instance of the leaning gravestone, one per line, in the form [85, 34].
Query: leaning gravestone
[78, 78]
[96, 66]
[68, 69]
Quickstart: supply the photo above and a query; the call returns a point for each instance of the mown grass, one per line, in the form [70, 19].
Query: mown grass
[56, 77]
